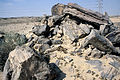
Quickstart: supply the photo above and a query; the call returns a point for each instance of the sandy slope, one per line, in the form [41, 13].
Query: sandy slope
[0, 75]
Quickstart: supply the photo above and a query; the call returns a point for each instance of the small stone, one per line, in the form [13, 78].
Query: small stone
[85, 28]
[57, 62]
[57, 42]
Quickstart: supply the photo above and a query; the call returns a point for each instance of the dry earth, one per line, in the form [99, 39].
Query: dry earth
[20, 25]
[116, 20]
[23, 25]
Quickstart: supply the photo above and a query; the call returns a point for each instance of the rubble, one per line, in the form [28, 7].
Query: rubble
[78, 44]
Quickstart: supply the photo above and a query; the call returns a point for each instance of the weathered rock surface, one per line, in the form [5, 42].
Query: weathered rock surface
[100, 42]
[24, 63]
[114, 37]
[79, 12]
[72, 44]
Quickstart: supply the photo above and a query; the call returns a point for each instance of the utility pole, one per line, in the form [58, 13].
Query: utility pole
[100, 5]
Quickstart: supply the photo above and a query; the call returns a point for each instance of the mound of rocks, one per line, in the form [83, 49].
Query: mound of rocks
[73, 43]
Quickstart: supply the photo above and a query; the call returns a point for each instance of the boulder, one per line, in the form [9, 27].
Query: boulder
[74, 31]
[57, 9]
[41, 30]
[114, 37]
[100, 42]
[24, 63]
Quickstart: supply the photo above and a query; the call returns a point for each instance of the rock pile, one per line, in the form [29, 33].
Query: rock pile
[74, 43]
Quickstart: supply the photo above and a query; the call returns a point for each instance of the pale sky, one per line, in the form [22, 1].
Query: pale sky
[19, 8]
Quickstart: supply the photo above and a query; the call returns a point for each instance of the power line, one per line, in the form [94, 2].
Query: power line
[100, 5]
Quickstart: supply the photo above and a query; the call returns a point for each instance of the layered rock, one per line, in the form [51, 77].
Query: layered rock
[81, 44]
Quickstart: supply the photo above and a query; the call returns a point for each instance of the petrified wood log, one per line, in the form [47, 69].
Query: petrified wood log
[80, 12]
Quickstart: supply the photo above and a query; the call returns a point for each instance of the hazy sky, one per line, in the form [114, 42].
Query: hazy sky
[18, 8]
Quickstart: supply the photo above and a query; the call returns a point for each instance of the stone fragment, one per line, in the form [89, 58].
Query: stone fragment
[104, 29]
[99, 42]
[57, 42]
[114, 37]
[74, 31]
[38, 30]
[43, 48]
[41, 30]
[24, 63]
[96, 53]
[97, 63]
[57, 9]
[85, 28]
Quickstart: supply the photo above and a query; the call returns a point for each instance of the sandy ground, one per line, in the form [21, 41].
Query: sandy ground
[0, 75]
[115, 19]
[25, 24]
[20, 25]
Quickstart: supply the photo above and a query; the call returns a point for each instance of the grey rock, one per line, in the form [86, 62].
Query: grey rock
[24, 63]
[114, 37]
[57, 62]
[85, 28]
[97, 53]
[109, 73]
[56, 42]
[100, 42]
[104, 29]
[97, 63]
[43, 48]
[57, 9]
[43, 41]
[74, 31]
[115, 64]
[39, 30]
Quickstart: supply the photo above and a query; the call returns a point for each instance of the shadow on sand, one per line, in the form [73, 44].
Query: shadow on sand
[57, 72]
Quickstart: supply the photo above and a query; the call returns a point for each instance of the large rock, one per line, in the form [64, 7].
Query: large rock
[24, 63]
[99, 42]
[74, 31]
[80, 12]
[114, 37]
[57, 9]
[41, 30]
